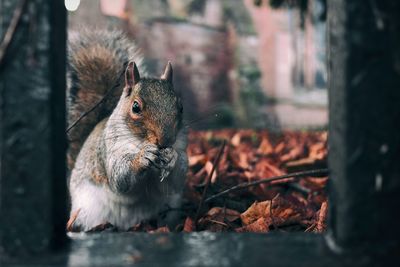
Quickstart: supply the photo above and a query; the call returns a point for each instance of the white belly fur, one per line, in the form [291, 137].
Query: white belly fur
[98, 205]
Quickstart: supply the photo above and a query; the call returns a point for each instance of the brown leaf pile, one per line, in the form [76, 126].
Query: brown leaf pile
[249, 155]
[284, 205]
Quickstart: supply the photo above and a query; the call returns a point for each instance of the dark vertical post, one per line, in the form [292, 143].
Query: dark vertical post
[32, 127]
[364, 106]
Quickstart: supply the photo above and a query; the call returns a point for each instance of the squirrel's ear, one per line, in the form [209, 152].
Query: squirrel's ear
[132, 75]
[167, 73]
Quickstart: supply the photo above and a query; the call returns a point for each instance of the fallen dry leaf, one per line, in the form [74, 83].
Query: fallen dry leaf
[197, 159]
[222, 214]
[188, 226]
[163, 229]
[265, 147]
[235, 141]
[208, 167]
[321, 223]
[70, 224]
[255, 211]
[261, 225]
[101, 227]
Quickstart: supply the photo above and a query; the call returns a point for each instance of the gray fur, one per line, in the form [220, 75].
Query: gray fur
[119, 176]
[95, 85]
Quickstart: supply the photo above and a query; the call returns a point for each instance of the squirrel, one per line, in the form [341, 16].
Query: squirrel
[127, 157]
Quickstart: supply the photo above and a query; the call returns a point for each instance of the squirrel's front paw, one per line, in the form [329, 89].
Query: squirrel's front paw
[149, 156]
[162, 159]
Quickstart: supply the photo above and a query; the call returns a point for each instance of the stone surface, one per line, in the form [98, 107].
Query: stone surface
[32, 129]
[364, 118]
[203, 249]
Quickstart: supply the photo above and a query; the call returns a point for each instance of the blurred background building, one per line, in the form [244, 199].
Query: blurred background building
[237, 63]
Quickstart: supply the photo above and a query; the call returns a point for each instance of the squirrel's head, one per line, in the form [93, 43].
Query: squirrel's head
[152, 107]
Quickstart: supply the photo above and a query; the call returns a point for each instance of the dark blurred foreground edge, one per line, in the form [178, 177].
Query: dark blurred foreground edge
[364, 78]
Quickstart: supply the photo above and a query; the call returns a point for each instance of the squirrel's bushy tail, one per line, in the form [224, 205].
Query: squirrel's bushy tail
[96, 63]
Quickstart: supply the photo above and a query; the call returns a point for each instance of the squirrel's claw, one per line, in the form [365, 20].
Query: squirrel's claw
[155, 162]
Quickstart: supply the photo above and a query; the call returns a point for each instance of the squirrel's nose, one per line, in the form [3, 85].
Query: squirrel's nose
[165, 142]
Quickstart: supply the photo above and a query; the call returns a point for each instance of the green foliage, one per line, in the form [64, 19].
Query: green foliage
[258, 2]
[302, 5]
[250, 92]
[251, 73]
[224, 116]
[196, 6]
[252, 97]
[236, 12]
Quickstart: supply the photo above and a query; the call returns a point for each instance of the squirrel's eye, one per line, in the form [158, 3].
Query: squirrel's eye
[136, 107]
